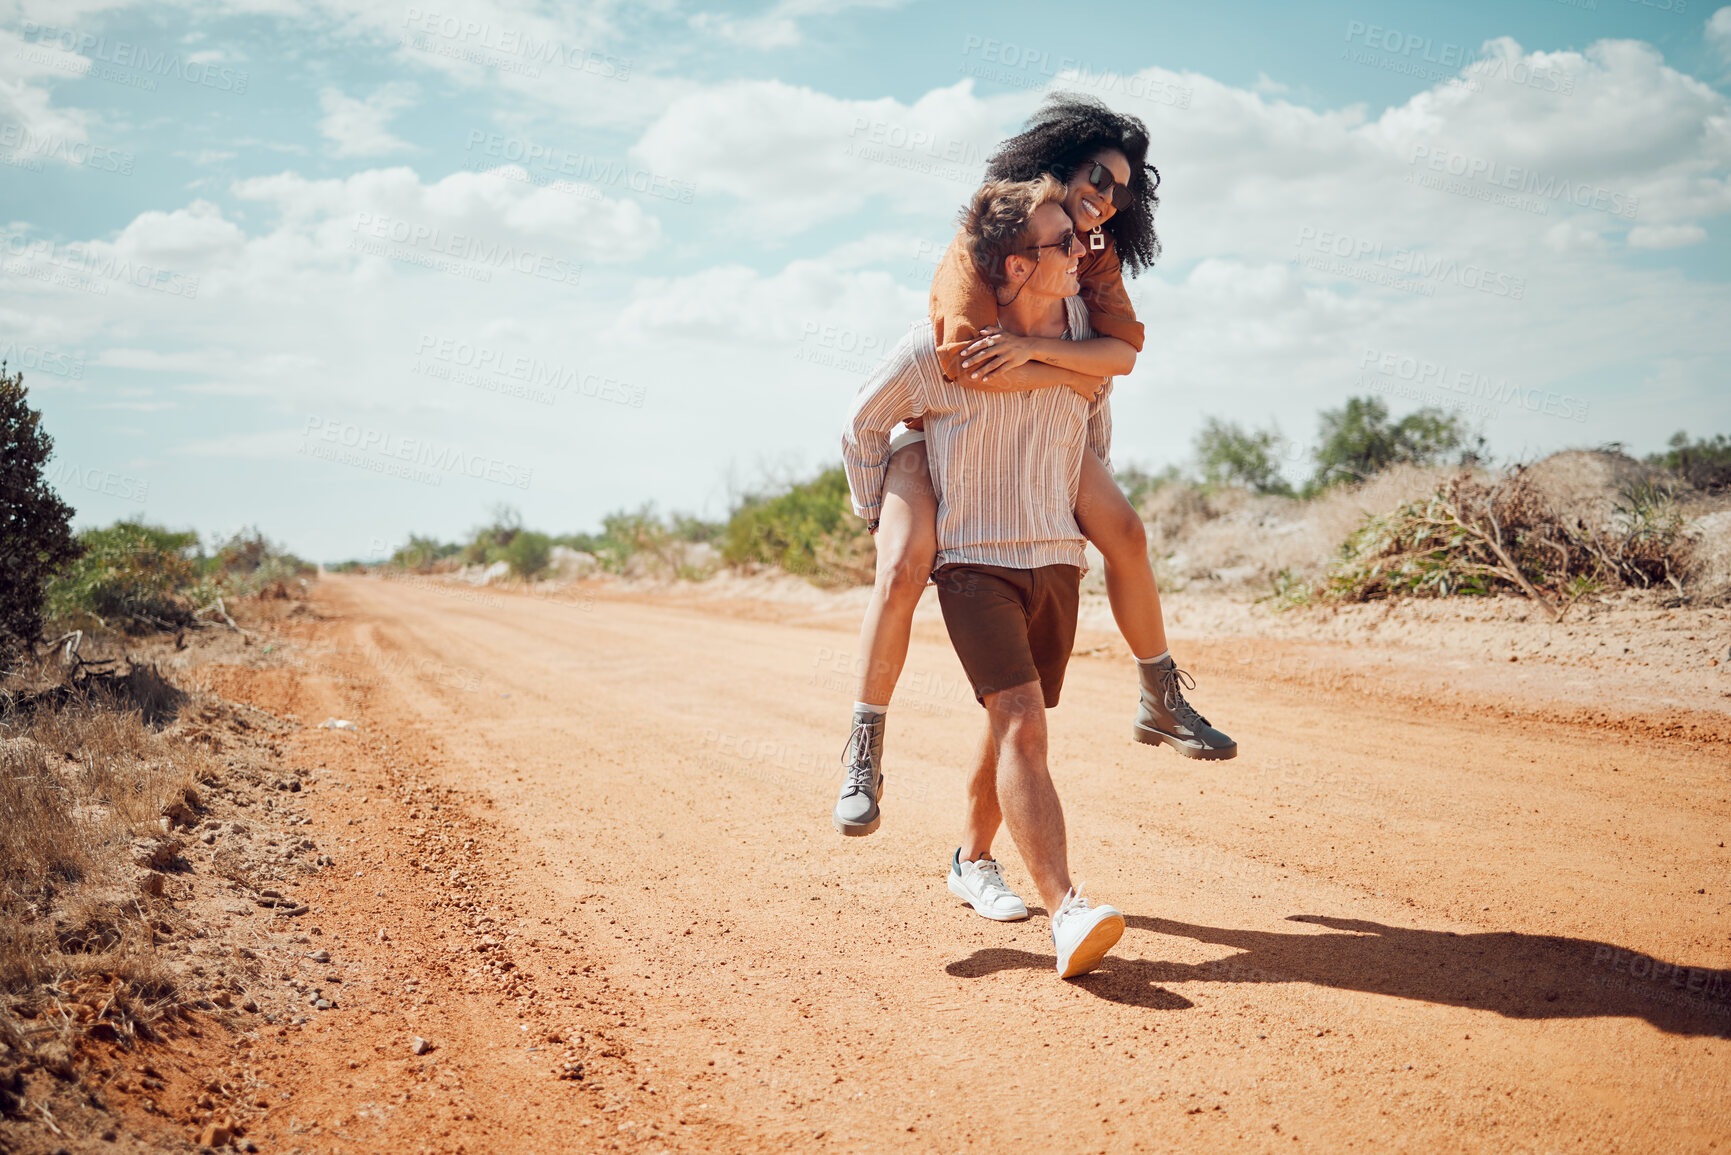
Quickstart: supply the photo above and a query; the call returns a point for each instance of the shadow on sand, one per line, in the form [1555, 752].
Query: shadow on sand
[1520, 976]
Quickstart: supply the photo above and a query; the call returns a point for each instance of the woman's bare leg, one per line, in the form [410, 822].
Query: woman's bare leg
[1163, 717]
[907, 544]
[1110, 522]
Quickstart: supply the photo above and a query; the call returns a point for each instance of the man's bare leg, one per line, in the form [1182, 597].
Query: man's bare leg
[975, 876]
[1025, 795]
[1081, 933]
[985, 816]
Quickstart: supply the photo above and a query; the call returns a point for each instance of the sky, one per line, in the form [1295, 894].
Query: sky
[343, 270]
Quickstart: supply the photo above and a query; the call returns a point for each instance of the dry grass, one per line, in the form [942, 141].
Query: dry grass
[86, 784]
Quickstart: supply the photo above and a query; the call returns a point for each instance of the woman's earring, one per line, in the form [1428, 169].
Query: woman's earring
[1097, 241]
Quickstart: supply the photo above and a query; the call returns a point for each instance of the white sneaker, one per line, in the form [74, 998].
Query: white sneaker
[1082, 934]
[981, 885]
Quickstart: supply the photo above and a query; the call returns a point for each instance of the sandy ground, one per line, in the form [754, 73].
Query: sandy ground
[1415, 913]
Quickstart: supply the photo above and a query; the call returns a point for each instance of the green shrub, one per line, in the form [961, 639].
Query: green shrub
[422, 553]
[1357, 440]
[1138, 484]
[35, 524]
[130, 575]
[487, 544]
[1228, 454]
[528, 553]
[810, 529]
[1705, 464]
[247, 563]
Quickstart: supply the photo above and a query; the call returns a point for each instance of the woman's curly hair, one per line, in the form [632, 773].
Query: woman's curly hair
[1065, 132]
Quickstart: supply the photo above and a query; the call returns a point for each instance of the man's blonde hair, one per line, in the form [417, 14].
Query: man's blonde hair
[996, 221]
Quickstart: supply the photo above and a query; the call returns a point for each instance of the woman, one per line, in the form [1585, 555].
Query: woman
[1102, 157]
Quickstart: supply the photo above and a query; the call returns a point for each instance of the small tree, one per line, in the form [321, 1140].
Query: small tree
[1138, 483]
[1357, 440]
[35, 524]
[1228, 454]
[421, 553]
[130, 575]
[528, 553]
[489, 542]
[1705, 464]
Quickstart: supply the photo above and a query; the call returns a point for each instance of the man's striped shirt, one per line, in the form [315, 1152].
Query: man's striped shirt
[1005, 466]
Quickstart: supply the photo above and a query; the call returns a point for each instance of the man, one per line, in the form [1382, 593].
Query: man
[1006, 467]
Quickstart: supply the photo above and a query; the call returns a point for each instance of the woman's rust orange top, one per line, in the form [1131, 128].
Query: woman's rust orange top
[963, 304]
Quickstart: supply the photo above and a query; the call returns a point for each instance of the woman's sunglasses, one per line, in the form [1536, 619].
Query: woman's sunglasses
[1102, 179]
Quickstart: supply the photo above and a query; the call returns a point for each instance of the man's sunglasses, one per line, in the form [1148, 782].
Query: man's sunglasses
[1062, 244]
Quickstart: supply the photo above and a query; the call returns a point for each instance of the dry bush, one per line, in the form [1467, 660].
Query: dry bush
[85, 786]
[1546, 534]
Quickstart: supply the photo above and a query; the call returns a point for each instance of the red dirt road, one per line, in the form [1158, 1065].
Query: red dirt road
[1380, 927]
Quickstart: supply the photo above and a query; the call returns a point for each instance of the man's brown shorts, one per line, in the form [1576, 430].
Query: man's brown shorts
[1011, 626]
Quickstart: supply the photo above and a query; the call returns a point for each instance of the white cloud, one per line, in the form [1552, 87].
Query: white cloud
[1665, 236]
[499, 207]
[761, 32]
[799, 157]
[735, 306]
[192, 294]
[26, 102]
[1718, 33]
[779, 27]
[360, 127]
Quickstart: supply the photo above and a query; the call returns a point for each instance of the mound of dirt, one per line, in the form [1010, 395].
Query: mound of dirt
[1231, 539]
[1589, 484]
[1709, 574]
